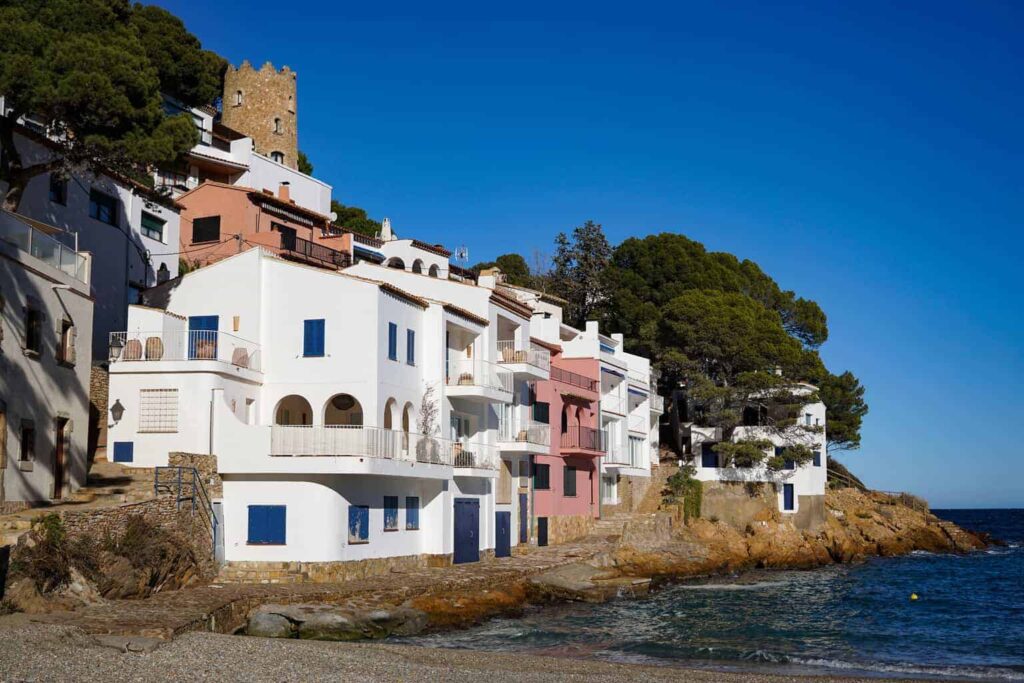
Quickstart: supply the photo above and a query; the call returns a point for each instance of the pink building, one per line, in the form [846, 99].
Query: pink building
[567, 479]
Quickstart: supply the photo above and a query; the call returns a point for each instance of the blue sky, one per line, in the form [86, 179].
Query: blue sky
[867, 156]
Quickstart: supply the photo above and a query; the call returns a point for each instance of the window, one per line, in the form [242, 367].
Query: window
[541, 412]
[66, 351]
[708, 456]
[34, 330]
[392, 341]
[103, 207]
[390, 513]
[28, 440]
[206, 229]
[569, 481]
[277, 156]
[541, 477]
[358, 524]
[238, 98]
[135, 293]
[277, 126]
[152, 227]
[817, 458]
[807, 419]
[313, 338]
[410, 347]
[267, 525]
[412, 513]
[58, 189]
[124, 451]
[158, 411]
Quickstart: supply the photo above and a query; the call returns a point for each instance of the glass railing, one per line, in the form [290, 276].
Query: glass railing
[474, 372]
[43, 247]
[516, 429]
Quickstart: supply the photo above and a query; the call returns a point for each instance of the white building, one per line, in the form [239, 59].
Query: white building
[794, 483]
[130, 230]
[227, 156]
[308, 385]
[45, 349]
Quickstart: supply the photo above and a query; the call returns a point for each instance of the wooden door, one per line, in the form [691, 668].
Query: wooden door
[59, 457]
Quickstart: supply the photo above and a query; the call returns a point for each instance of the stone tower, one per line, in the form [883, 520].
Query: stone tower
[261, 105]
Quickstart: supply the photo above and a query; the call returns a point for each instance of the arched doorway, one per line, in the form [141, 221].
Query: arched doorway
[343, 409]
[417, 266]
[389, 414]
[406, 425]
[293, 410]
[395, 262]
[433, 271]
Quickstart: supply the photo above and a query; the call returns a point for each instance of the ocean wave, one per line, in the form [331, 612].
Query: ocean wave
[951, 671]
[755, 585]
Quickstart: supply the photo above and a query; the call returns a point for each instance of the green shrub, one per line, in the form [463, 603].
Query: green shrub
[682, 487]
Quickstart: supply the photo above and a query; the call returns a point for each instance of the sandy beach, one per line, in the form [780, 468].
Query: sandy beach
[36, 652]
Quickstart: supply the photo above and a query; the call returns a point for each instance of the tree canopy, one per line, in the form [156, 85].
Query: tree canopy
[578, 271]
[355, 219]
[513, 266]
[92, 72]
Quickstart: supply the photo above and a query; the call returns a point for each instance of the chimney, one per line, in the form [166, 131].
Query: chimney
[284, 192]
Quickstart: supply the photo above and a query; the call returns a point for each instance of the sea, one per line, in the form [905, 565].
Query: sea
[967, 622]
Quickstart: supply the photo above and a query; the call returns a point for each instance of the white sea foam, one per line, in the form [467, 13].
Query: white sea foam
[980, 672]
[756, 585]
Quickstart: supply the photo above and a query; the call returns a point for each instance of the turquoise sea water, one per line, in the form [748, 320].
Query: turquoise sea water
[854, 619]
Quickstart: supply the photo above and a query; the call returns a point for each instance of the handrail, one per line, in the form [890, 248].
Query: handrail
[534, 355]
[478, 373]
[519, 429]
[43, 247]
[585, 438]
[573, 378]
[314, 252]
[199, 496]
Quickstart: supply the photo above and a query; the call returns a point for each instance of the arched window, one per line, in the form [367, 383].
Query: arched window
[291, 104]
[343, 409]
[417, 266]
[277, 126]
[406, 425]
[389, 414]
[238, 98]
[433, 271]
[293, 410]
[277, 156]
[395, 262]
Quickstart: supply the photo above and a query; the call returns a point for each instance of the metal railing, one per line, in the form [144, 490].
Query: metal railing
[311, 251]
[377, 442]
[475, 372]
[187, 486]
[584, 438]
[573, 379]
[44, 247]
[184, 345]
[535, 355]
[517, 429]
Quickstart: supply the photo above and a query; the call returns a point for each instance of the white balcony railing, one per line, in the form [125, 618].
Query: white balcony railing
[535, 355]
[614, 404]
[376, 442]
[639, 424]
[184, 345]
[474, 372]
[617, 455]
[657, 403]
[513, 428]
[640, 378]
[44, 247]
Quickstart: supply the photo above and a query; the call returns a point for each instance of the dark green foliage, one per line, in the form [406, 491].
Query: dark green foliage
[305, 165]
[513, 266]
[578, 271]
[355, 219]
[683, 488]
[743, 453]
[92, 72]
[144, 544]
[799, 454]
[843, 396]
[49, 559]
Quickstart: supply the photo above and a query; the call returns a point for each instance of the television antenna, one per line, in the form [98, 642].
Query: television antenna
[462, 255]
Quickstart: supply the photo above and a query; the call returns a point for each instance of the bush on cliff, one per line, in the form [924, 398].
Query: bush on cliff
[683, 488]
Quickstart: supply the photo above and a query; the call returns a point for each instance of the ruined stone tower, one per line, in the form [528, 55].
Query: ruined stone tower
[261, 105]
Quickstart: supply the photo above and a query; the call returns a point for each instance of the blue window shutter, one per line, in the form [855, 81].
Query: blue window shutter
[267, 524]
[124, 451]
[817, 458]
[410, 347]
[313, 338]
[392, 341]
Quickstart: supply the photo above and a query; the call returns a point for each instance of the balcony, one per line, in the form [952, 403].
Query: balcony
[657, 404]
[42, 246]
[640, 379]
[577, 440]
[310, 252]
[357, 441]
[478, 380]
[639, 424]
[617, 455]
[517, 434]
[614, 405]
[185, 346]
[532, 363]
[573, 379]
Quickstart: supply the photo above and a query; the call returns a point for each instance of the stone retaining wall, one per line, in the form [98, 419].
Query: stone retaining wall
[325, 572]
[566, 528]
[205, 465]
[99, 392]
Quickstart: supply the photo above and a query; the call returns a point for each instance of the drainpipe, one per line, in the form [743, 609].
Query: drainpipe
[533, 509]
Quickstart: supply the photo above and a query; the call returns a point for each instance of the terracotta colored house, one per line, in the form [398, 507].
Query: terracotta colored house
[220, 220]
[565, 508]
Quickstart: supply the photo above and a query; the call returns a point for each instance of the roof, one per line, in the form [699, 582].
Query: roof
[219, 160]
[543, 296]
[512, 305]
[268, 197]
[555, 348]
[463, 313]
[433, 248]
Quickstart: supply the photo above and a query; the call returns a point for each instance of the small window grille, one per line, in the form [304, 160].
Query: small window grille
[158, 410]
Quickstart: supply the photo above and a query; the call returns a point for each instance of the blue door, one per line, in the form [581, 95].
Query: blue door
[503, 534]
[202, 337]
[524, 520]
[787, 496]
[467, 530]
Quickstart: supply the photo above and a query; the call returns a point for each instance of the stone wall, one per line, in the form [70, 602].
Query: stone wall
[205, 465]
[267, 94]
[632, 492]
[99, 393]
[325, 572]
[810, 515]
[566, 528]
[739, 503]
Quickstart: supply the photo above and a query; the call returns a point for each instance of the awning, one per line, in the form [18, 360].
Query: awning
[612, 372]
[638, 392]
[367, 254]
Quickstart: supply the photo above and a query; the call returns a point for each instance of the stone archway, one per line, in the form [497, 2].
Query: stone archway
[293, 410]
[343, 409]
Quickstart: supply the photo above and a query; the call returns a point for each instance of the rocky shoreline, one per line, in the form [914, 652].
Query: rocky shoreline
[652, 549]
